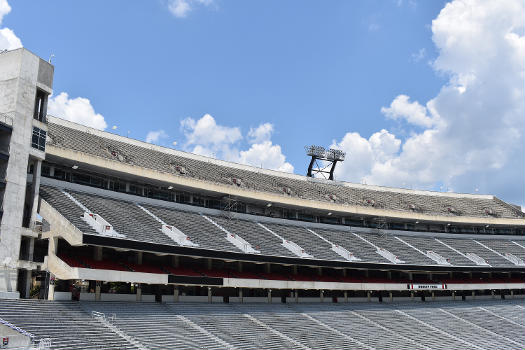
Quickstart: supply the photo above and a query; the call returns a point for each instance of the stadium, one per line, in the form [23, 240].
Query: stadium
[112, 243]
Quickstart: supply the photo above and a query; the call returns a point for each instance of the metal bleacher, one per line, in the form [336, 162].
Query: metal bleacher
[139, 154]
[129, 220]
[477, 324]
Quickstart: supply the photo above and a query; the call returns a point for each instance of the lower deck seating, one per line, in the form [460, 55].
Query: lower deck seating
[481, 325]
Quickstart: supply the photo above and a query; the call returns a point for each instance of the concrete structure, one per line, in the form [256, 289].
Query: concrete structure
[25, 82]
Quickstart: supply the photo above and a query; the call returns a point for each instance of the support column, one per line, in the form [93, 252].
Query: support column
[209, 295]
[319, 271]
[51, 290]
[176, 294]
[139, 292]
[97, 290]
[294, 269]
[389, 274]
[391, 296]
[241, 298]
[269, 296]
[453, 295]
[240, 266]
[512, 294]
[175, 261]
[268, 268]
[344, 272]
[52, 249]
[473, 294]
[35, 188]
[321, 296]
[97, 254]
[139, 258]
[492, 293]
[411, 295]
[345, 293]
[430, 276]
[296, 296]
[410, 276]
[433, 295]
[209, 263]
[368, 296]
[28, 281]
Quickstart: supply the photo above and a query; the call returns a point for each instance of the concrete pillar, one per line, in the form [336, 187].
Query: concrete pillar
[97, 290]
[411, 295]
[35, 188]
[176, 294]
[175, 261]
[28, 282]
[512, 294]
[139, 292]
[344, 272]
[453, 295]
[389, 275]
[269, 296]
[241, 298]
[294, 269]
[367, 274]
[410, 276]
[451, 274]
[127, 187]
[319, 271]
[391, 296]
[97, 254]
[209, 263]
[473, 294]
[209, 295]
[368, 296]
[345, 293]
[268, 268]
[240, 266]
[296, 296]
[139, 258]
[52, 171]
[321, 296]
[470, 275]
[433, 295]
[430, 276]
[492, 293]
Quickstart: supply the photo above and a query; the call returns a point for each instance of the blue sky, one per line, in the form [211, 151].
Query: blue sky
[295, 73]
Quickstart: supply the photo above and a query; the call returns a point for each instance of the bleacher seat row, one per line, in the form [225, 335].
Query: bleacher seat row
[133, 223]
[481, 325]
[131, 152]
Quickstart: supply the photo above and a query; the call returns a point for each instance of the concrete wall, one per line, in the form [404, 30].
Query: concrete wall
[19, 75]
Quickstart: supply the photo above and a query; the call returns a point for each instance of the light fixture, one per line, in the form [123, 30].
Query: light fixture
[487, 226]
[417, 222]
[448, 224]
[269, 205]
[75, 167]
[170, 187]
[330, 213]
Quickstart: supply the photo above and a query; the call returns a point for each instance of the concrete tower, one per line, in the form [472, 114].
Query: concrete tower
[25, 84]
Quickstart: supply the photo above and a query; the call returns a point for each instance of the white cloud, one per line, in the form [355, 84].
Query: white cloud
[181, 8]
[78, 110]
[412, 112]
[8, 39]
[205, 137]
[265, 155]
[473, 129]
[156, 136]
[260, 134]
[4, 9]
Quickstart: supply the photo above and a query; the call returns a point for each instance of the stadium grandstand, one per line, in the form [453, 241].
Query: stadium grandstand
[107, 242]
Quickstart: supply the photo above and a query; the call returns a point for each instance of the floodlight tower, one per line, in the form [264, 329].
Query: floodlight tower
[330, 156]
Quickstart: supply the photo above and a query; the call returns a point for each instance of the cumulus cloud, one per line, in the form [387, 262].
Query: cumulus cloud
[261, 133]
[78, 110]
[205, 137]
[8, 39]
[473, 129]
[181, 8]
[156, 136]
[412, 112]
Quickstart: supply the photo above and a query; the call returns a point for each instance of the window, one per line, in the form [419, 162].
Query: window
[39, 139]
[40, 106]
